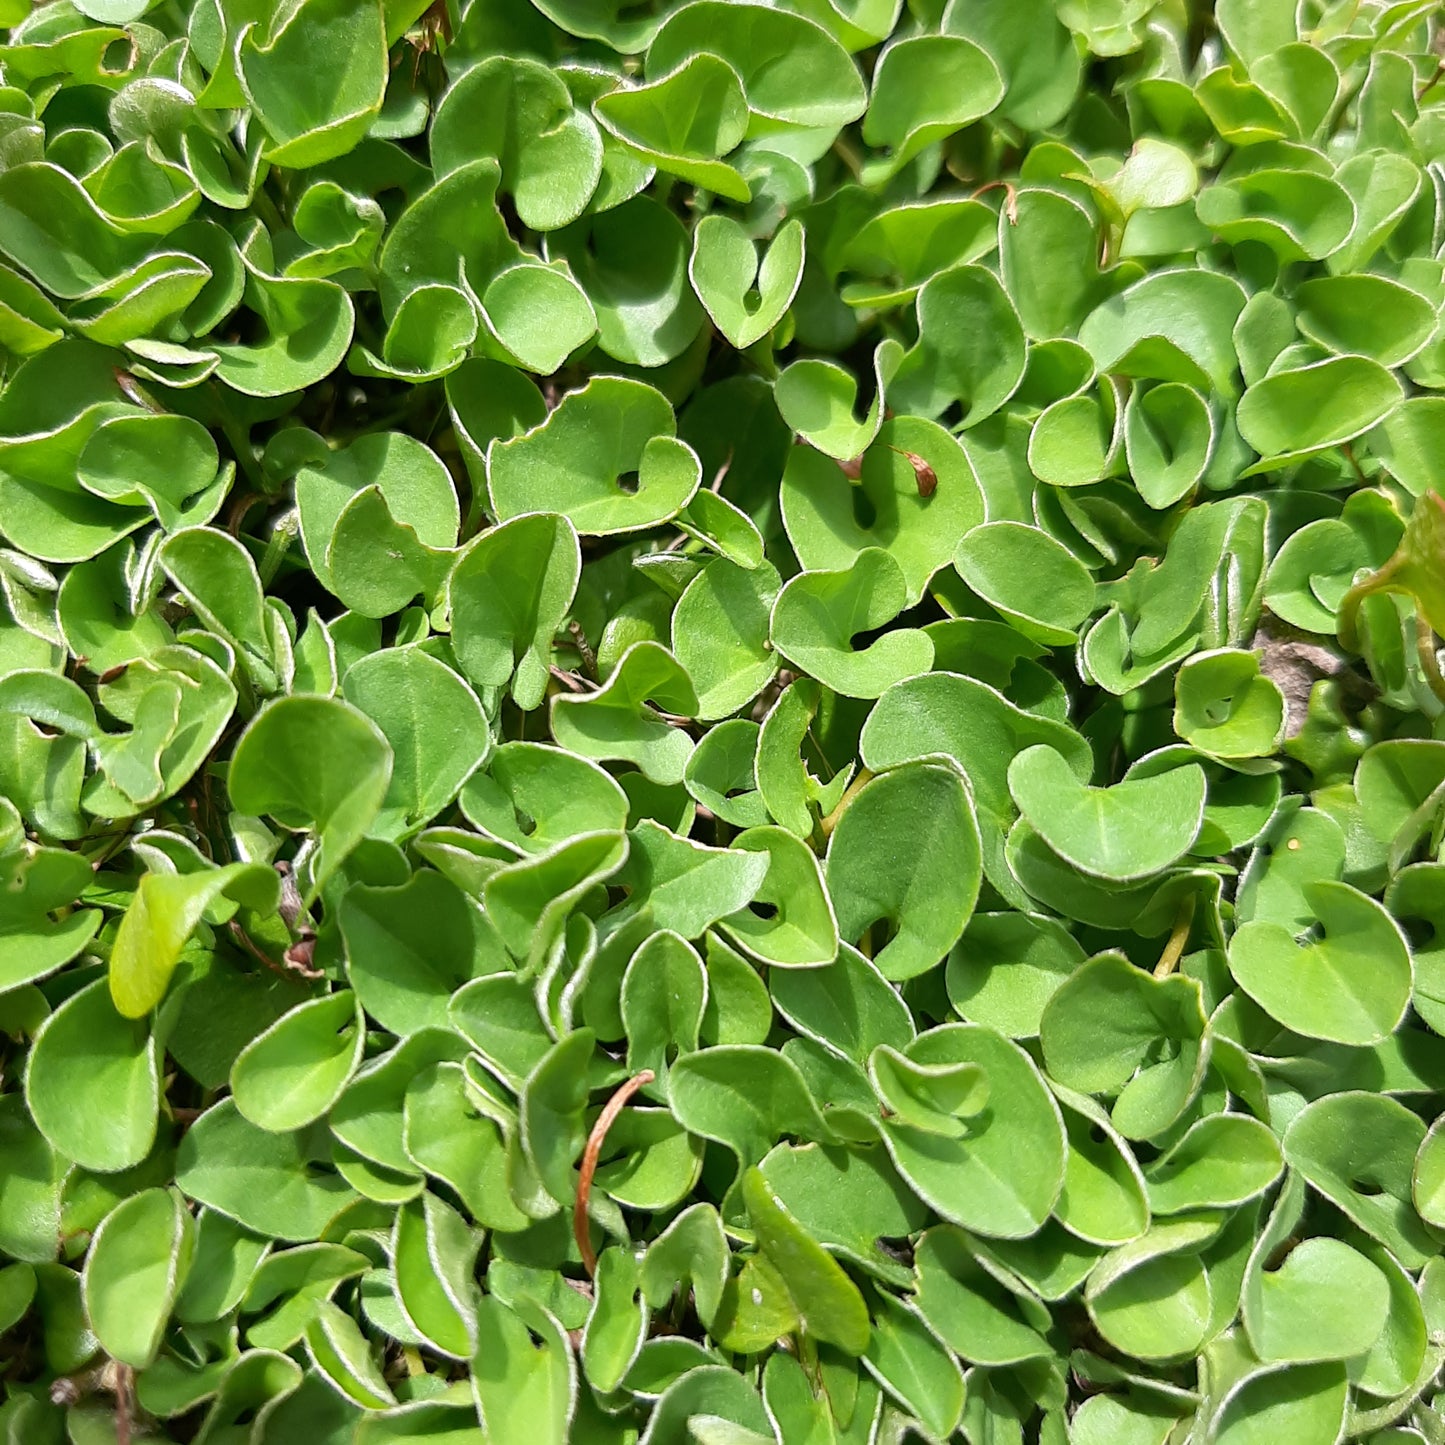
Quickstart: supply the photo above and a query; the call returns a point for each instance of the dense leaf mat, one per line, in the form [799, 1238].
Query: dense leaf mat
[721, 722]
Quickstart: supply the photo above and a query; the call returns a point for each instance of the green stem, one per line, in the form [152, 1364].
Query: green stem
[1429, 660]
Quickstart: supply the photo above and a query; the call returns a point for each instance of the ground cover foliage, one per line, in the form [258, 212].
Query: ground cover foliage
[721, 722]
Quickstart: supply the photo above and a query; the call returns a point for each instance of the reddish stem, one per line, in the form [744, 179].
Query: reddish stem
[605, 1120]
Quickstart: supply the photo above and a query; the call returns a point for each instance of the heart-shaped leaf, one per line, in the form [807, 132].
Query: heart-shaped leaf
[1349, 980]
[317, 764]
[607, 458]
[725, 273]
[1129, 831]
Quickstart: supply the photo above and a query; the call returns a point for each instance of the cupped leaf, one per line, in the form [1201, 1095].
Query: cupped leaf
[533, 796]
[1034, 582]
[291, 1074]
[1113, 1029]
[1290, 414]
[165, 911]
[925, 88]
[316, 764]
[720, 632]
[1004, 1175]
[905, 858]
[819, 400]
[1129, 831]
[433, 723]
[793, 73]
[916, 493]
[314, 115]
[684, 121]
[829, 1305]
[790, 922]
[746, 298]
[970, 349]
[1035, 55]
[521, 113]
[620, 721]
[1297, 214]
[1358, 1151]
[509, 593]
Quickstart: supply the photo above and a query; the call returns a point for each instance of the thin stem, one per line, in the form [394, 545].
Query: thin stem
[1174, 949]
[1429, 660]
[1349, 611]
[853, 789]
[1010, 198]
[605, 1120]
[123, 1378]
[240, 443]
[584, 648]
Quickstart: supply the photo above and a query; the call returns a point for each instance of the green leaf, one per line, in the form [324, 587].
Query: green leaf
[314, 114]
[316, 764]
[905, 855]
[1226, 708]
[165, 912]
[1219, 1162]
[261, 1180]
[790, 921]
[970, 347]
[1291, 414]
[817, 614]
[1034, 53]
[829, 1305]
[1325, 1301]
[720, 634]
[434, 725]
[137, 1263]
[92, 1084]
[831, 520]
[415, 490]
[794, 75]
[608, 458]
[1367, 1175]
[1006, 967]
[725, 270]
[522, 114]
[996, 557]
[523, 1389]
[1099, 1033]
[509, 593]
[432, 1251]
[39, 882]
[532, 796]
[340, 1352]
[924, 89]
[1003, 1175]
[622, 722]
[743, 1096]
[687, 886]
[684, 121]
[817, 399]
[1349, 980]
[1129, 831]
[981, 730]
[291, 1074]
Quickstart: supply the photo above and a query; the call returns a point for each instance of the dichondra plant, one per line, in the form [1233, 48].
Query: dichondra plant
[721, 722]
